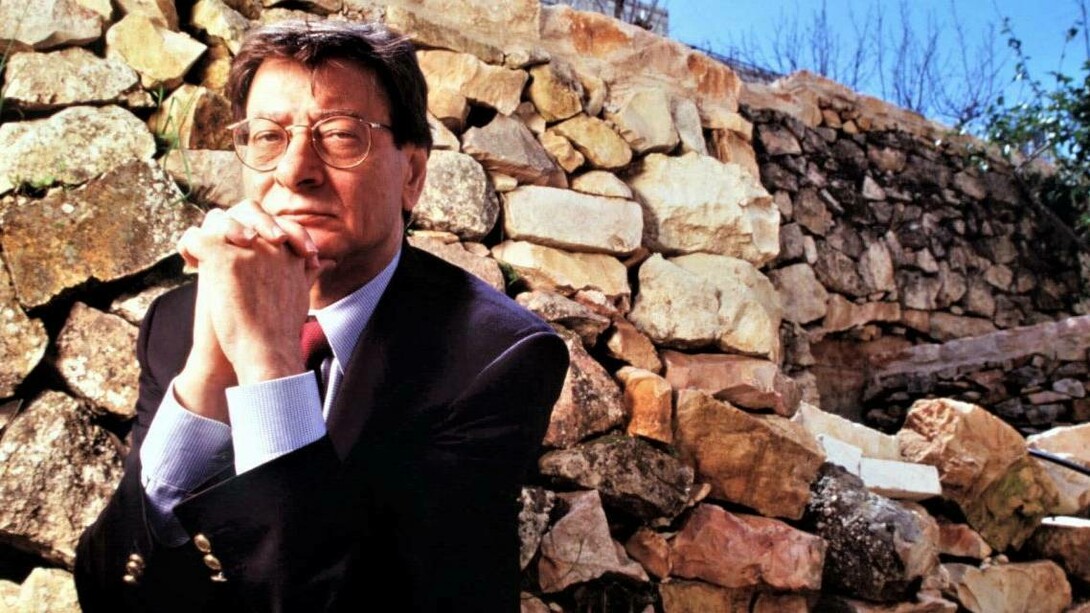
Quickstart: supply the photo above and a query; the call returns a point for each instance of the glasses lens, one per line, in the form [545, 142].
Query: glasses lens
[342, 142]
[260, 143]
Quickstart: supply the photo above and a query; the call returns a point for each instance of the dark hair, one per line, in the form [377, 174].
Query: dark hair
[313, 43]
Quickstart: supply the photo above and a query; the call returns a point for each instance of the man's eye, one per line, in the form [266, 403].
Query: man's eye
[266, 137]
[333, 136]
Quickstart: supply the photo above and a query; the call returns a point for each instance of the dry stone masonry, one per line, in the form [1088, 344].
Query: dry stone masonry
[742, 274]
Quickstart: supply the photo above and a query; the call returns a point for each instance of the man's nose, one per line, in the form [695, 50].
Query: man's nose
[300, 165]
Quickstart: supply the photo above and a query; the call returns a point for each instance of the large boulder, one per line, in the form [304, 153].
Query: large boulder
[117, 225]
[877, 548]
[762, 461]
[984, 467]
[697, 203]
[57, 470]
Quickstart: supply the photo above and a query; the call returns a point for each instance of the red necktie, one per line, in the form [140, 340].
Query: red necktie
[315, 349]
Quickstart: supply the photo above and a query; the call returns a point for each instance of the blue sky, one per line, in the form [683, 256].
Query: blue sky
[1040, 24]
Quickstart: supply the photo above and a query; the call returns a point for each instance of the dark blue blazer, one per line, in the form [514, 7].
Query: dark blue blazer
[411, 495]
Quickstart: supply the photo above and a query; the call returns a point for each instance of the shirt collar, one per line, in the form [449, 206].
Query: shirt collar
[344, 320]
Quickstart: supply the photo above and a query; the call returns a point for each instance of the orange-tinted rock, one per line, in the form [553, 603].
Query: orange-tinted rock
[700, 597]
[733, 550]
[745, 382]
[983, 465]
[650, 549]
[762, 461]
[648, 399]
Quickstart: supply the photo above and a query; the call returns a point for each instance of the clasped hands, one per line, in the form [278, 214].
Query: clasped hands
[253, 283]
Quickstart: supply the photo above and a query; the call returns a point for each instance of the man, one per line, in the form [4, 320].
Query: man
[393, 474]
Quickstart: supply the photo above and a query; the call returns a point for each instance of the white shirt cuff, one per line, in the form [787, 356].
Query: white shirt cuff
[272, 418]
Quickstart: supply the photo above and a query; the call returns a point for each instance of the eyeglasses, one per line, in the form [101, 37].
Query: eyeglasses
[341, 141]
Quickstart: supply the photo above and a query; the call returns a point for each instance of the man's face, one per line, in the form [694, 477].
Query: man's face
[353, 215]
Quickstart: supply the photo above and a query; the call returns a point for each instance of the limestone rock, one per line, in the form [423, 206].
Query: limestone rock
[649, 401]
[535, 505]
[762, 461]
[877, 548]
[700, 299]
[574, 316]
[51, 590]
[1071, 443]
[579, 547]
[651, 550]
[803, 297]
[43, 81]
[778, 140]
[845, 315]
[626, 343]
[810, 212]
[57, 471]
[492, 86]
[983, 466]
[1066, 541]
[592, 40]
[698, 597]
[876, 267]
[161, 56]
[961, 541]
[25, 340]
[45, 24]
[590, 401]
[544, 215]
[465, 26]
[115, 226]
[837, 272]
[449, 107]
[95, 355]
[601, 183]
[925, 602]
[748, 383]
[457, 197]
[1008, 588]
[208, 176]
[628, 473]
[696, 203]
[456, 253]
[219, 21]
[596, 140]
[132, 307]
[162, 12]
[552, 269]
[675, 308]
[734, 551]
[555, 91]
[442, 139]
[71, 146]
[194, 117]
[874, 444]
[562, 151]
[506, 145]
[689, 130]
[645, 122]
[900, 480]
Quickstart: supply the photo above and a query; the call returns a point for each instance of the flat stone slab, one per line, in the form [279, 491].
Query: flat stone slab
[900, 480]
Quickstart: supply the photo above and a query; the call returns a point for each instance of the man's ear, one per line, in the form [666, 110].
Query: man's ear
[416, 171]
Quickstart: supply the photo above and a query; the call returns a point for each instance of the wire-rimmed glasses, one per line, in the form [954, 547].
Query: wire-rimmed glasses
[341, 141]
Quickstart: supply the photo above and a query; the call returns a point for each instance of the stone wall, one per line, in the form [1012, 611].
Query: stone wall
[608, 180]
[898, 232]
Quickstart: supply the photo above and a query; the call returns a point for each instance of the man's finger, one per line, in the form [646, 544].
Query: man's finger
[249, 214]
[299, 241]
[218, 222]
